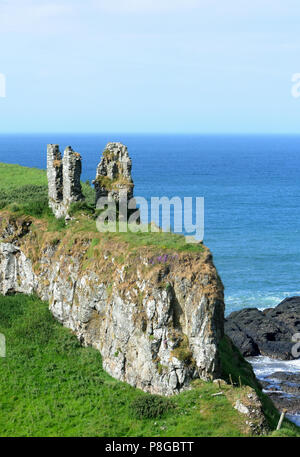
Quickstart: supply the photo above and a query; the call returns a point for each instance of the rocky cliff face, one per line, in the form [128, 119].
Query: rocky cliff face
[156, 319]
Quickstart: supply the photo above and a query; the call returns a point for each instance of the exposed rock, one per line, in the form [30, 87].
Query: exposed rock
[13, 229]
[157, 326]
[266, 332]
[250, 406]
[240, 339]
[284, 389]
[113, 178]
[220, 382]
[286, 401]
[16, 273]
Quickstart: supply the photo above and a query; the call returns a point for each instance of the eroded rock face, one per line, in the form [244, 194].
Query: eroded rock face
[157, 324]
[16, 275]
[113, 176]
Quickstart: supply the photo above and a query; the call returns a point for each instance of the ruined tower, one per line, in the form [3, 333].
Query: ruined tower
[113, 178]
[64, 185]
[55, 179]
[72, 168]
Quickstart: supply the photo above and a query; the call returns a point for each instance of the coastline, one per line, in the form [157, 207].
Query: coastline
[267, 371]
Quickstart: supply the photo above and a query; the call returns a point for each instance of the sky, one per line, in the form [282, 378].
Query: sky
[142, 66]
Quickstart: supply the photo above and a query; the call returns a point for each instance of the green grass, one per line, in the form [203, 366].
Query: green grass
[163, 240]
[15, 176]
[24, 191]
[50, 386]
[234, 364]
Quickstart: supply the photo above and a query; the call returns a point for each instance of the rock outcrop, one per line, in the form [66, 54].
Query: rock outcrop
[284, 390]
[269, 332]
[113, 177]
[64, 187]
[250, 406]
[156, 321]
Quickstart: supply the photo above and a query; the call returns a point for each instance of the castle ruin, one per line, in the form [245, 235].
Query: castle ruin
[113, 177]
[64, 186]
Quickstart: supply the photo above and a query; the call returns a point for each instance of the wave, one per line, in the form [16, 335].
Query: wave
[258, 299]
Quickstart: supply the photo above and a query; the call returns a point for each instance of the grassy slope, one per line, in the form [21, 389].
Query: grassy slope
[13, 176]
[24, 192]
[51, 386]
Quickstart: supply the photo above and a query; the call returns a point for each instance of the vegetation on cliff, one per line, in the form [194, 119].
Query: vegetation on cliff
[24, 192]
[51, 386]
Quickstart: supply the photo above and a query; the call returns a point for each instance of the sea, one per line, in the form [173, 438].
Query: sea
[251, 190]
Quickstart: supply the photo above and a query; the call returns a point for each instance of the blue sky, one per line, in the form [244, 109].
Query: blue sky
[183, 66]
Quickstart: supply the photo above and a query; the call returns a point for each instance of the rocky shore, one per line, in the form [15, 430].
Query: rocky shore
[266, 338]
[269, 332]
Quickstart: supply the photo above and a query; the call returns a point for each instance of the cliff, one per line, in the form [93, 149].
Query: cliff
[155, 314]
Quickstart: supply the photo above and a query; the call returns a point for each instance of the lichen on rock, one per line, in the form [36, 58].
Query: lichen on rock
[64, 186]
[113, 177]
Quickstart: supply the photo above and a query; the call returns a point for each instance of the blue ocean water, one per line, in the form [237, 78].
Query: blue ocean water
[251, 186]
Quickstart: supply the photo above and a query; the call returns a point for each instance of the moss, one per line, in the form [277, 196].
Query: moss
[114, 184]
[182, 352]
[161, 368]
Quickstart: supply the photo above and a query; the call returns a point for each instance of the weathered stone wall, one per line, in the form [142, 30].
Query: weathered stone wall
[157, 321]
[71, 177]
[64, 186]
[55, 179]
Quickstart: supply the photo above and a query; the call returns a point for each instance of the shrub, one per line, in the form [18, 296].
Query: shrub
[151, 406]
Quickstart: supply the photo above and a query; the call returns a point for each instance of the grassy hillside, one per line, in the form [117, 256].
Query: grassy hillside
[14, 176]
[50, 386]
[24, 191]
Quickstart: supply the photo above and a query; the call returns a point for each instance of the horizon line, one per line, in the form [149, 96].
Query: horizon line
[157, 133]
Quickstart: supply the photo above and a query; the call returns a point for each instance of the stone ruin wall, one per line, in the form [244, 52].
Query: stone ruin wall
[113, 177]
[64, 186]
